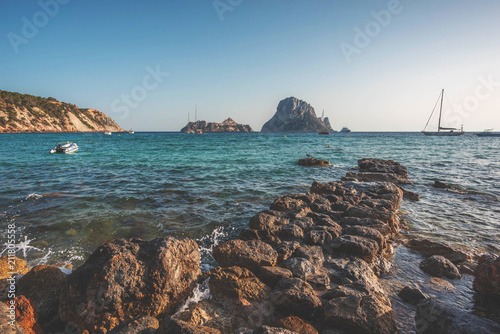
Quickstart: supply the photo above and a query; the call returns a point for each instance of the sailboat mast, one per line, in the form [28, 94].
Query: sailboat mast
[440, 110]
[195, 113]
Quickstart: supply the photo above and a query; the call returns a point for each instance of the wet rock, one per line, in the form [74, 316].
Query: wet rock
[293, 296]
[251, 254]
[236, 282]
[375, 177]
[267, 220]
[300, 267]
[6, 318]
[26, 318]
[125, 279]
[272, 275]
[439, 266]
[487, 280]
[410, 195]
[296, 325]
[272, 330]
[42, 285]
[433, 317]
[313, 162]
[357, 246]
[430, 247]
[382, 166]
[411, 295]
[175, 326]
[357, 312]
[141, 325]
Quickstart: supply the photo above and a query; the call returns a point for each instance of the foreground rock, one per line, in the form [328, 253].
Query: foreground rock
[439, 266]
[487, 280]
[313, 162]
[125, 279]
[20, 268]
[433, 317]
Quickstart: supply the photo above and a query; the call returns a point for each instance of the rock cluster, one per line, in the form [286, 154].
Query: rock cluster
[313, 162]
[228, 125]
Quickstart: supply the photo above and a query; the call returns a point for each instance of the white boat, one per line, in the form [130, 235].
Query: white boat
[345, 129]
[488, 133]
[442, 131]
[107, 133]
[131, 131]
[65, 148]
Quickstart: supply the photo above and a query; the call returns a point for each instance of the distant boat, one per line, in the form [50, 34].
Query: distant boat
[488, 133]
[131, 131]
[324, 133]
[65, 148]
[107, 132]
[345, 129]
[442, 131]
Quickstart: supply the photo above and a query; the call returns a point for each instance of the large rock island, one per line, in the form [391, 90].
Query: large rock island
[227, 126]
[28, 113]
[294, 115]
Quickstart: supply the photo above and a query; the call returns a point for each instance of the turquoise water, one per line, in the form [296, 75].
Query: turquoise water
[208, 186]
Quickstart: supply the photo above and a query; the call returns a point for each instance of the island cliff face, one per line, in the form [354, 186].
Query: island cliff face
[294, 115]
[227, 126]
[28, 113]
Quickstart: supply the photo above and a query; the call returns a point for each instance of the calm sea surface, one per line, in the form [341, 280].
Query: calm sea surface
[208, 186]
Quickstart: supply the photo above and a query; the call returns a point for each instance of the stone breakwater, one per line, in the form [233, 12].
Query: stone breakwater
[309, 264]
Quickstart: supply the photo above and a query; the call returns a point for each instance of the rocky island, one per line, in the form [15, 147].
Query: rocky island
[28, 113]
[294, 115]
[229, 125]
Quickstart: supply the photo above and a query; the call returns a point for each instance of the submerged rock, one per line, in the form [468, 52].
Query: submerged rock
[411, 295]
[125, 279]
[439, 266]
[433, 317]
[313, 162]
[430, 247]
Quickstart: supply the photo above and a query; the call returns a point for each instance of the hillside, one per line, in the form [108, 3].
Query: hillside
[28, 113]
[294, 115]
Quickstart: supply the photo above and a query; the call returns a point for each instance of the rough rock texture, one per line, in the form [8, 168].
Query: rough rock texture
[487, 280]
[26, 316]
[19, 266]
[439, 266]
[313, 162]
[294, 115]
[272, 330]
[294, 296]
[142, 325]
[433, 318]
[236, 282]
[6, 321]
[175, 326]
[125, 279]
[27, 113]
[378, 170]
[251, 254]
[42, 286]
[296, 325]
[227, 126]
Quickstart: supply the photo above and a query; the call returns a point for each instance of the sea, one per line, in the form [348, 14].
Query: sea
[208, 186]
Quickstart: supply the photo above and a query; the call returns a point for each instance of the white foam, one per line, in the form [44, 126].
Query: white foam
[208, 242]
[34, 196]
[200, 292]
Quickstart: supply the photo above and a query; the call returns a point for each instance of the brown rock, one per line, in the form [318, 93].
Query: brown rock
[382, 166]
[297, 325]
[353, 245]
[487, 280]
[313, 162]
[287, 203]
[312, 253]
[430, 247]
[293, 296]
[272, 275]
[125, 279]
[367, 232]
[236, 282]
[439, 266]
[19, 266]
[42, 285]
[26, 316]
[143, 325]
[267, 220]
[251, 254]
[175, 326]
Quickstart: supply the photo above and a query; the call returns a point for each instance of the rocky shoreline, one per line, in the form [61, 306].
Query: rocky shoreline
[309, 264]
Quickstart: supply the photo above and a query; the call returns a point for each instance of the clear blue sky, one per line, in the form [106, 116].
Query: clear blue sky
[91, 53]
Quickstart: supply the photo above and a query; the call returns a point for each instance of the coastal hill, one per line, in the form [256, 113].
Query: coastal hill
[294, 115]
[28, 113]
[228, 125]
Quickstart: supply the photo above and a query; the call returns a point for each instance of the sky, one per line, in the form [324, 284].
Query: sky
[370, 65]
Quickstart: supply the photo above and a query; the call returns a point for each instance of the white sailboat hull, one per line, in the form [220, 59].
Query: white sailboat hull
[442, 134]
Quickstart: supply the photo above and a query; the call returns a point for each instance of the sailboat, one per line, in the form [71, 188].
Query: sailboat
[323, 132]
[107, 132]
[442, 131]
[131, 131]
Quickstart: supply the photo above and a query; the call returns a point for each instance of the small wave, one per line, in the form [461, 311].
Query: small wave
[200, 292]
[33, 196]
[208, 242]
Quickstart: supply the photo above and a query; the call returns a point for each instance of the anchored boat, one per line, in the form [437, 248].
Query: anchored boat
[442, 131]
[488, 133]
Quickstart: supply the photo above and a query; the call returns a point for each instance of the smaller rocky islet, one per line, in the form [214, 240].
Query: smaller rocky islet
[309, 264]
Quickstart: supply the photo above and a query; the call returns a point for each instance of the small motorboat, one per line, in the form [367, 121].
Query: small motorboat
[65, 148]
[488, 133]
